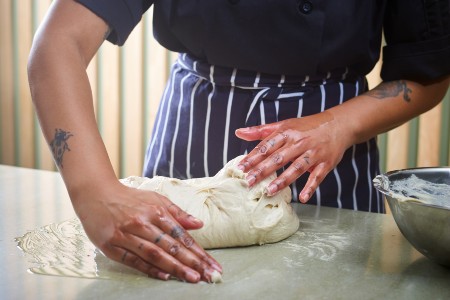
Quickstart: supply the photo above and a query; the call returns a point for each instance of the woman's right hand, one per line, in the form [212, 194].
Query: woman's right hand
[145, 231]
[138, 228]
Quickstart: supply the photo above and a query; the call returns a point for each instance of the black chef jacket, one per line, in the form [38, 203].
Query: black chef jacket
[296, 37]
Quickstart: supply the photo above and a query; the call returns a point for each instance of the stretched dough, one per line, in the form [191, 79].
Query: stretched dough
[233, 215]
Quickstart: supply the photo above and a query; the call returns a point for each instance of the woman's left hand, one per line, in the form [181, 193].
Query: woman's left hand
[317, 143]
[313, 144]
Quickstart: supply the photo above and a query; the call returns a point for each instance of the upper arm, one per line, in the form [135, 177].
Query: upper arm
[69, 26]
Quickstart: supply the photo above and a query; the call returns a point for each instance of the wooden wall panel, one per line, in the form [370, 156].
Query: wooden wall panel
[6, 85]
[24, 112]
[156, 74]
[131, 100]
[444, 152]
[429, 138]
[108, 104]
[43, 157]
[397, 154]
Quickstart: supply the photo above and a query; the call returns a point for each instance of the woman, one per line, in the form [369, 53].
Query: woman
[286, 76]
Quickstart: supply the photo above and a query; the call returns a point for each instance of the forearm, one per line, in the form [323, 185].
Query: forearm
[63, 100]
[385, 107]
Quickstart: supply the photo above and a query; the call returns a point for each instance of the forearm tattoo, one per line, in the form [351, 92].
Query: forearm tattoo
[391, 89]
[59, 145]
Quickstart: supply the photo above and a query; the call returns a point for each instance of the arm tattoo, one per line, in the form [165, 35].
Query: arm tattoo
[391, 89]
[59, 145]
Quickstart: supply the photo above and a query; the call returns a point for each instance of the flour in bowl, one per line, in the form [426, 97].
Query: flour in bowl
[421, 190]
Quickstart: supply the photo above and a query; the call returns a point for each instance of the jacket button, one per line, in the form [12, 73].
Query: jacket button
[305, 7]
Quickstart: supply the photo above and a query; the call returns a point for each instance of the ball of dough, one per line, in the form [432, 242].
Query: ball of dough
[233, 214]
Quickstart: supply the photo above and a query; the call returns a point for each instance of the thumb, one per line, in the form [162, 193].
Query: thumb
[186, 220]
[190, 222]
[256, 132]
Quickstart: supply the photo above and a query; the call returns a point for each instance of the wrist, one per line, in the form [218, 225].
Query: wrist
[92, 194]
[342, 128]
[357, 120]
[89, 183]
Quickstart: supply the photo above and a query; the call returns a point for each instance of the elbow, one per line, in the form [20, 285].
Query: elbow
[38, 63]
[37, 56]
[33, 69]
[32, 65]
[439, 88]
[434, 90]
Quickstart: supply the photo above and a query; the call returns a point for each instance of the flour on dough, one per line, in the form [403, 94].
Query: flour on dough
[233, 214]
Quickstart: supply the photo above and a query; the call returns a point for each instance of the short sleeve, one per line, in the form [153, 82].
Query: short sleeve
[417, 34]
[121, 15]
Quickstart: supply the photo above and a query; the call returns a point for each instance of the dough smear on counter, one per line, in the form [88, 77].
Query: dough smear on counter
[233, 214]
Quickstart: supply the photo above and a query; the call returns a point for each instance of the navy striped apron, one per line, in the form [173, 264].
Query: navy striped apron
[203, 105]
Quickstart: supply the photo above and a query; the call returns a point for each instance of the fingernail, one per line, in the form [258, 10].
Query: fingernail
[243, 129]
[304, 197]
[209, 275]
[195, 220]
[251, 180]
[192, 276]
[163, 276]
[272, 189]
[216, 267]
[241, 167]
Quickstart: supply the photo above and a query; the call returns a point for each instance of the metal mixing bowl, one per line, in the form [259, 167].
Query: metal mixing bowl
[425, 225]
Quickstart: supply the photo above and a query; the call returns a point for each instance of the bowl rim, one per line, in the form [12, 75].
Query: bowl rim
[440, 168]
[411, 170]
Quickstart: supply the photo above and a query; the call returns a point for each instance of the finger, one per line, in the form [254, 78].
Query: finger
[159, 254]
[170, 255]
[134, 261]
[186, 220]
[298, 167]
[315, 178]
[196, 255]
[180, 214]
[271, 144]
[266, 167]
[149, 229]
[263, 150]
[255, 133]
[272, 163]
[131, 260]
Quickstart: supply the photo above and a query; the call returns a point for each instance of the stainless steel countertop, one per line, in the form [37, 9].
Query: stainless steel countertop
[336, 254]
